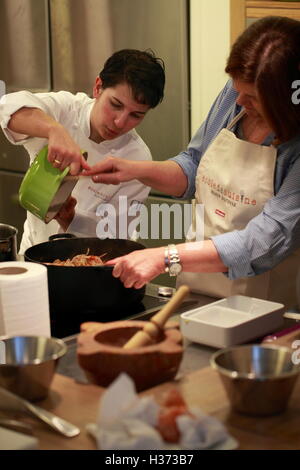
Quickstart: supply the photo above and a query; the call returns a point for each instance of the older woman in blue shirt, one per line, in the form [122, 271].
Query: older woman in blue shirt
[243, 165]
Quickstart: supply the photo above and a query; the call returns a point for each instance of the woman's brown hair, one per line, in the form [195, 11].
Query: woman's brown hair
[267, 54]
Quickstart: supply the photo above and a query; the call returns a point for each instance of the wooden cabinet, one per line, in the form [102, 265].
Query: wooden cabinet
[244, 12]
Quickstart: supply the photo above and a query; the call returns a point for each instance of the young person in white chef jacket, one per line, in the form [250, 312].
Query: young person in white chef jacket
[130, 83]
[243, 165]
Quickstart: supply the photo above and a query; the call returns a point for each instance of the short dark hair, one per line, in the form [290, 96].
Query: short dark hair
[267, 54]
[141, 70]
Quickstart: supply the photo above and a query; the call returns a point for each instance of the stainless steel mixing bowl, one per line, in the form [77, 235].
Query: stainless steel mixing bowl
[28, 363]
[258, 379]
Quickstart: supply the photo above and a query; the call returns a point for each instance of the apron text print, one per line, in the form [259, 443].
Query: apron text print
[227, 195]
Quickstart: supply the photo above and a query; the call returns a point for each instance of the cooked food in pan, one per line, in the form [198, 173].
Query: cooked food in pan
[80, 260]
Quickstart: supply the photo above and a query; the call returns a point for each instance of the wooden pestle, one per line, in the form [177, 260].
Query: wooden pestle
[152, 329]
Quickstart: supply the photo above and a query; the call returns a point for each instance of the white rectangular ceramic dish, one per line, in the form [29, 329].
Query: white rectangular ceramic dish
[234, 320]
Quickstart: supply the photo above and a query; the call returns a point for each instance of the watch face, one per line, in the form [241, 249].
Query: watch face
[175, 269]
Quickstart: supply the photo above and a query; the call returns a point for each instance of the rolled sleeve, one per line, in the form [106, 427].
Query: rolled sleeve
[231, 249]
[51, 103]
[189, 168]
[9, 104]
[268, 238]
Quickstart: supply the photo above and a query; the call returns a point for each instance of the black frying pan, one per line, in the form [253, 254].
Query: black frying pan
[85, 288]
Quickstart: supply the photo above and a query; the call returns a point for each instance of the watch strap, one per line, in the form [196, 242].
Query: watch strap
[171, 258]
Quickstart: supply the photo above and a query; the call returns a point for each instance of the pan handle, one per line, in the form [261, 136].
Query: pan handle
[61, 236]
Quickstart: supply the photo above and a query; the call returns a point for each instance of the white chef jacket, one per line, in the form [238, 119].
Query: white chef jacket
[73, 112]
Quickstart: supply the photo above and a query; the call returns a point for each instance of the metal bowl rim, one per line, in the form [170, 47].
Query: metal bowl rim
[14, 229]
[54, 356]
[234, 374]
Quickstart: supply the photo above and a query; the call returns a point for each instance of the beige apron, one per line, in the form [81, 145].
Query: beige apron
[234, 180]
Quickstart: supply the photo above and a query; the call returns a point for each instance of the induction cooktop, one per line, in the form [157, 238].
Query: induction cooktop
[64, 325]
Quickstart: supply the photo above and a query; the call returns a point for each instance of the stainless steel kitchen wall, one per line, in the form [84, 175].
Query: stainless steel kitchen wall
[163, 26]
[85, 32]
[62, 45]
[25, 45]
[24, 64]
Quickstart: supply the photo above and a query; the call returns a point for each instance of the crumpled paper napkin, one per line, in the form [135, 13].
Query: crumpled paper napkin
[126, 421]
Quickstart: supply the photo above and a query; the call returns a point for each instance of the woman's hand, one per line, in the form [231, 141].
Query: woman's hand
[113, 170]
[167, 177]
[66, 214]
[139, 267]
[63, 151]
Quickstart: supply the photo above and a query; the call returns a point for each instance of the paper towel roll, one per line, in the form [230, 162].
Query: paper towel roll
[24, 302]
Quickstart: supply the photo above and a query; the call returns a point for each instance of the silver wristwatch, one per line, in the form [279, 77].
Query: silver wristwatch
[172, 261]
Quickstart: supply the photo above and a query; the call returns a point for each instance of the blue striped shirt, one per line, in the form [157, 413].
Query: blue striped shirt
[274, 233]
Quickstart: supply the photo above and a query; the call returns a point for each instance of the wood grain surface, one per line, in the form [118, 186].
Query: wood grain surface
[79, 404]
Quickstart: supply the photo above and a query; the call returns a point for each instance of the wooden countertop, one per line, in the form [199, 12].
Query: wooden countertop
[79, 403]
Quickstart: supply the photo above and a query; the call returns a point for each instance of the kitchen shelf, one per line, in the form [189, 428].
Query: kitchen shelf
[244, 12]
[261, 8]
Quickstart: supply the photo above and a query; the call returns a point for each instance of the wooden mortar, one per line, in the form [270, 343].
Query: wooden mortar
[101, 354]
